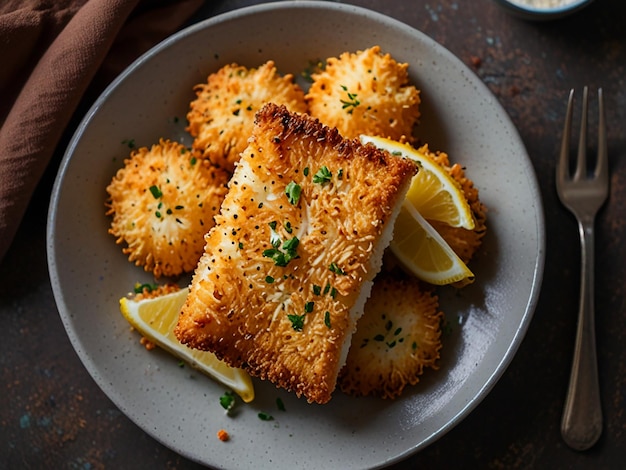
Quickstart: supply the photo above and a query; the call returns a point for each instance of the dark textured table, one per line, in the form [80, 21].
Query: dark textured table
[52, 414]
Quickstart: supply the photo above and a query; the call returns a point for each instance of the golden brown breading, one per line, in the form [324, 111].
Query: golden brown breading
[162, 202]
[366, 92]
[288, 266]
[222, 116]
[464, 242]
[396, 338]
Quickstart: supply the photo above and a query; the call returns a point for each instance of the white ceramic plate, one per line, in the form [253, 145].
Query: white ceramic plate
[180, 407]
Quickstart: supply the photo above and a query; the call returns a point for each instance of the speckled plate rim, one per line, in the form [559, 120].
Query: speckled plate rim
[179, 407]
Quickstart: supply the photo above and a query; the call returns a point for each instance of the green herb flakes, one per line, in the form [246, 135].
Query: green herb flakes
[336, 269]
[156, 192]
[293, 192]
[140, 288]
[352, 101]
[297, 321]
[227, 400]
[280, 405]
[322, 176]
[263, 416]
[327, 319]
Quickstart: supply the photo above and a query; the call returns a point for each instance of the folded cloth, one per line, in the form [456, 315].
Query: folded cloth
[51, 52]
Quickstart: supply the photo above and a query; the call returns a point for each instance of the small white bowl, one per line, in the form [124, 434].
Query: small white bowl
[542, 9]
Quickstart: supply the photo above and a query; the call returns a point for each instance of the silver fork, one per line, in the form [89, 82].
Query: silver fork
[583, 195]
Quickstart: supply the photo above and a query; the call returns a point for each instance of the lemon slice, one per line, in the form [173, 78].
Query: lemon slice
[420, 248]
[433, 192]
[155, 318]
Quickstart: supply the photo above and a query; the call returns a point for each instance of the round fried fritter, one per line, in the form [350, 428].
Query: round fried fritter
[162, 203]
[396, 338]
[464, 242]
[366, 92]
[222, 115]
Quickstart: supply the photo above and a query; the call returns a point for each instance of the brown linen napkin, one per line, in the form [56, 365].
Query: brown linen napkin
[50, 51]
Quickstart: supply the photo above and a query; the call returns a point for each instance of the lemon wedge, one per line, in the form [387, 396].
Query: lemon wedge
[155, 318]
[420, 248]
[433, 192]
[433, 195]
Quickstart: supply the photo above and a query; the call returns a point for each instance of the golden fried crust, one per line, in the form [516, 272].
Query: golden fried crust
[162, 202]
[396, 338]
[366, 92]
[465, 243]
[222, 116]
[291, 323]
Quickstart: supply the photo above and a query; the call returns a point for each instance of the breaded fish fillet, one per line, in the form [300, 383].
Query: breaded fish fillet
[288, 266]
[366, 92]
[222, 115]
[396, 338]
[162, 202]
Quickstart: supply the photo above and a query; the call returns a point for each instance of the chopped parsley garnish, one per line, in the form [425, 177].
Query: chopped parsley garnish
[308, 307]
[129, 142]
[280, 405]
[156, 192]
[322, 176]
[327, 319]
[227, 400]
[139, 288]
[317, 290]
[291, 245]
[336, 269]
[391, 336]
[288, 227]
[265, 416]
[293, 192]
[352, 101]
[297, 321]
[340, 174]
[282, 258]
[269, 279]
[315, 66]
[306, 171]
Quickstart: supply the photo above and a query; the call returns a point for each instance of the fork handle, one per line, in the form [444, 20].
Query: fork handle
[581, 425]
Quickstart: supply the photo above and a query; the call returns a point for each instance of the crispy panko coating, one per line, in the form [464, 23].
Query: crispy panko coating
[465, 243]
[290, 261]
[396, 338]
[366, 92]
[222, 115]
[162, 203]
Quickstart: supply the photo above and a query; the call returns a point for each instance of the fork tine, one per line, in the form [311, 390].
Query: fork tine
[602, 167]
[581, 160]
[563, 165]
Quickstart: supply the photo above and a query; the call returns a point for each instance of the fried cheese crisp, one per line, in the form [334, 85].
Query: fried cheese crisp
[465, 243]
[162, 203]
[366, 92]
[222, 115]
[288, 266]
[398, 336]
